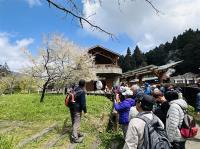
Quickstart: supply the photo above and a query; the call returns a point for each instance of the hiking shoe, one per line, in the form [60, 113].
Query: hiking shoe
[77, 140]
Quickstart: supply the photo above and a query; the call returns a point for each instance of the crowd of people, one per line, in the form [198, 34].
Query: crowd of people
[135, 104]
[141, 109]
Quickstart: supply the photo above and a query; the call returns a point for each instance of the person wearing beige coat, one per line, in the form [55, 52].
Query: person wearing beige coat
[135, 133]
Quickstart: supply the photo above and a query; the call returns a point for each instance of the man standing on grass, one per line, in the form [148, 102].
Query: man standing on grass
[76, 109]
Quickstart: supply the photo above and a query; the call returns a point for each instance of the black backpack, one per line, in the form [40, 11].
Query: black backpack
[155, 137]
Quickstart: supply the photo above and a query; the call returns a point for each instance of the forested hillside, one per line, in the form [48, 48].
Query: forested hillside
[4, 70]
[185, 47]
[132, 60]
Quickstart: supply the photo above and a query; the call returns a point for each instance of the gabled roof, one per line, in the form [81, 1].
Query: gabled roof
[172, 64]
[143, 70]
[106, 49]
[149, 69]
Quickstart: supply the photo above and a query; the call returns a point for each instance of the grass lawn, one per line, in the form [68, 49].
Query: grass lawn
[35, 116]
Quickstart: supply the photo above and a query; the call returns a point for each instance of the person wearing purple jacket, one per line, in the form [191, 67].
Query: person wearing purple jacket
[123, 108]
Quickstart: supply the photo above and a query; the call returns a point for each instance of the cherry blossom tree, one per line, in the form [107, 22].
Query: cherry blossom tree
[60, 61]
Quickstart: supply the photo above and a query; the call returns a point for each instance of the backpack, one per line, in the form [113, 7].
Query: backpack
[71, 98]
[188, 128]
[155, 137]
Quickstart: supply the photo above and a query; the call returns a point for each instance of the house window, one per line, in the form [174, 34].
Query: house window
[190, 81]
[179, 81]
[100, 59]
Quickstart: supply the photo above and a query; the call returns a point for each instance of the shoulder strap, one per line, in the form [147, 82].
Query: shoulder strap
[184, 112]
[144, 118]
[72, 96]
[78, 93]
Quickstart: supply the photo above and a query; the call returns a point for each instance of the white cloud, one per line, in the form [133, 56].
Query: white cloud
[12, 52]
[33, 3]
[140, 22]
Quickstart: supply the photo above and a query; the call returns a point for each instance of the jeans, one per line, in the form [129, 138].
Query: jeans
[178, 145]
[198, 102]
[76, 120]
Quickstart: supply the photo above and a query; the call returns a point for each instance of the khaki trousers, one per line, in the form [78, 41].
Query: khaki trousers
[76, 120]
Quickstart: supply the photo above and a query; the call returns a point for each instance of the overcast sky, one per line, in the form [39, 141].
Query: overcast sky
[134, 22]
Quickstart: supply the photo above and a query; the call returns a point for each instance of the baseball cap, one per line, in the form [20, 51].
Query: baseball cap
[147, 102]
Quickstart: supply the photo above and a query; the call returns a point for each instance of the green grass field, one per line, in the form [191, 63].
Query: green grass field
[34, 116]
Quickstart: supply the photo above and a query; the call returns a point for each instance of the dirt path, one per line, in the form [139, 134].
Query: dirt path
[194, 143]
[31, 134]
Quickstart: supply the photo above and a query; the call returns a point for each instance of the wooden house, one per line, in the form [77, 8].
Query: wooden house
[107, 68]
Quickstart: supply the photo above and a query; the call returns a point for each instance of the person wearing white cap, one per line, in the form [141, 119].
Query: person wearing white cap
[123, 108]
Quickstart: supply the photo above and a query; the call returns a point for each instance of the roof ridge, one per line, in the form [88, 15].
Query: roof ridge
[104, 49]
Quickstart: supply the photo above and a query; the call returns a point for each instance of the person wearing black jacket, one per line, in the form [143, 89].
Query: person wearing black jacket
[76, 111]
[162, 106]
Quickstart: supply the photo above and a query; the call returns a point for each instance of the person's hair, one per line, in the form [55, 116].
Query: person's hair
[171, 95]
[81, 83]
[135, 87]
[144, 108]
[157, 94]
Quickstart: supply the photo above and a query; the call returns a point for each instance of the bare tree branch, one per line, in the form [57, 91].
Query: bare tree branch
[74, 5]
[80, 18]
[75, 13]
[152, 5]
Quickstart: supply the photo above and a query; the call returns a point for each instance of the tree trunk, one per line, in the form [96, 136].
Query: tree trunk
[11, 90]
[43, 91]
[64, 92]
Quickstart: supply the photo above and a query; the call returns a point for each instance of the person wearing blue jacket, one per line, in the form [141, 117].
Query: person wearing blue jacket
[123, 109]
[147, 90]
[76, 110]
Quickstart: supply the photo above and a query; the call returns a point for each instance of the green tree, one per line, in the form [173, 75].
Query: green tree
[139, 58]
[4, 70]
[184, 47]
[8, 83]
[121, 62]
[28, 84]
[128, 60]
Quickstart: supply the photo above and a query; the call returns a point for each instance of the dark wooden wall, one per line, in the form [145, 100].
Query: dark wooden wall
[190, 94]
